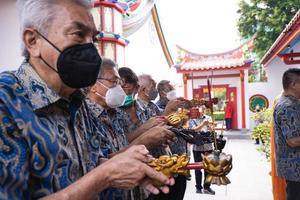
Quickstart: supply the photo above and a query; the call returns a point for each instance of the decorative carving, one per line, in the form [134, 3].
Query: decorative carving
[178, 118]
[217, 165]
[171, 165]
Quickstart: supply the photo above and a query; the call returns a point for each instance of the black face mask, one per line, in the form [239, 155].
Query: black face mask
[77, 66]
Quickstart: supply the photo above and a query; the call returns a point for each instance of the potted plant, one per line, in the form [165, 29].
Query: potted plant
[262, 130]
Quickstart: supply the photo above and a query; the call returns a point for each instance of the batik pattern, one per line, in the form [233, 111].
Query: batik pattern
[46, 143]
[287, 126]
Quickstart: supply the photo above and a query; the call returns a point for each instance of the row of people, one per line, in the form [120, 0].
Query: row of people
[70, 125]
[126, 121]
[53, 145]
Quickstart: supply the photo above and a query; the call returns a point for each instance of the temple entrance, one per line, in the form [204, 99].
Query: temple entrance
[222, 92]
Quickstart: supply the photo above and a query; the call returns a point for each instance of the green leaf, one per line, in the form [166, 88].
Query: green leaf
[266, 19]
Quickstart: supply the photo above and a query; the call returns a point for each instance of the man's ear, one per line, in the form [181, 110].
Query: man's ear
[32, 42]
[141, 89]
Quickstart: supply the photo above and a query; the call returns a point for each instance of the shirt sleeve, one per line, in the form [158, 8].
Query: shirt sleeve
[14, 157]
[290, 122]
[192, 123]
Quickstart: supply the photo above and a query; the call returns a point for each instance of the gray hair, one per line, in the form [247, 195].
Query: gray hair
[38, 14]
[106, 64]
[145, 80]
[161, 85]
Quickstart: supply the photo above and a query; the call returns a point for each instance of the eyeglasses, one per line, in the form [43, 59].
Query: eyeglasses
[115, 81]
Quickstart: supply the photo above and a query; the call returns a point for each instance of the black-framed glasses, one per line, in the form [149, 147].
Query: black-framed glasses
[115, 81]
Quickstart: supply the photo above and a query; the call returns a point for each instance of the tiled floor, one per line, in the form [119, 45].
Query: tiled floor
[250, 179]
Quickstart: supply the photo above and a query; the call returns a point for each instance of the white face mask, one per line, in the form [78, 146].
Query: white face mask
[115, 96]
[171, 95]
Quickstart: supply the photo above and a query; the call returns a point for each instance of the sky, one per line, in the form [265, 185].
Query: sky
[204, 26]
[201, 26]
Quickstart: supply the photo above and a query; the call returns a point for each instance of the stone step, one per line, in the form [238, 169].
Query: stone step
[243, 134]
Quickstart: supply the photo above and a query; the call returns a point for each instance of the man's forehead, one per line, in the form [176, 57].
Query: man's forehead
[169, 86]
[82, 26]
[111, 73]
[75, 16]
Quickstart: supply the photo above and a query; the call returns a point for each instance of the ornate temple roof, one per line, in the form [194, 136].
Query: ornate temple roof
[288, 38]
[234, 59]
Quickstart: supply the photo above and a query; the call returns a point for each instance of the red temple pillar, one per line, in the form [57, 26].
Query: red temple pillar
[185, 92]
[242, 77]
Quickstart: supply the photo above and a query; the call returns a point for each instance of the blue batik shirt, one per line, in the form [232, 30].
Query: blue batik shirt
[115, 138]
[161, 104]
[123, 118]
[46, 142]
[111, 126]
[151, 108]
[128, 125]
[143, 115]
[180, 146]
[287, 126]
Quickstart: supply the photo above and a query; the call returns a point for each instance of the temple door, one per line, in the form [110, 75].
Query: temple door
[232, 100]
[198, 93]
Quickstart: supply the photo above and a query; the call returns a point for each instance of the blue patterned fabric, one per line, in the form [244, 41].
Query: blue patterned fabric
[151, 108]
[111, 126]
[161, 104]
[180, 146]
[118, 123]
[46, 142]
[287, 126]
[128, 125]
[122, 118]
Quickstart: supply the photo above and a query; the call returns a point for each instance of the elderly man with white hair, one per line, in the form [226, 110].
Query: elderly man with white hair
[147, 93]
[49, 140]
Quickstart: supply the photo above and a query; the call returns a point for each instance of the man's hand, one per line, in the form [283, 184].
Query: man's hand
[152, 122]
[125, 170]
[205, 123]
[156, 136]
[173, 105]
[202, 125]
[129, 169]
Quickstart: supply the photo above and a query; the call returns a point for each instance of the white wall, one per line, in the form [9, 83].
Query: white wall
[275, 71]
[10, 54]
[273, 87]
[257, 88]
[232, 82]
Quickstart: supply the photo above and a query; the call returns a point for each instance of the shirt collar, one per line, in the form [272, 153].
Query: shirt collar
[140, 105]
[40, 95]
[145, 103]
[96, 108]
[291, 97]
[162, 103]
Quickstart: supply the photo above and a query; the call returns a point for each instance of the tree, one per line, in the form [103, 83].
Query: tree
[266, 19]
